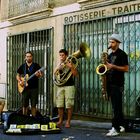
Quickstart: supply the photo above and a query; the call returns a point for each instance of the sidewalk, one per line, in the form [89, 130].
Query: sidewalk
[131, 128]
[91, 124]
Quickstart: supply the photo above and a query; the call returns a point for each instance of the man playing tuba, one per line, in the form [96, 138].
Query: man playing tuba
[66, 92]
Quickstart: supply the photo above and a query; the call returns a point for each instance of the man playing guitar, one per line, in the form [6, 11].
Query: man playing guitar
[28, 85]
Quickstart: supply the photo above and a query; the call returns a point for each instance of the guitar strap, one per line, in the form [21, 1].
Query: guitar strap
[31, 68]
[25, 75]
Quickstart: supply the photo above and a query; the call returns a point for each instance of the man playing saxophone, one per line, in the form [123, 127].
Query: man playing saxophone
[65, 92]
[117, 65]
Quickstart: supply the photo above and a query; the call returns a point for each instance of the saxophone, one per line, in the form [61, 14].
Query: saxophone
[101, 70]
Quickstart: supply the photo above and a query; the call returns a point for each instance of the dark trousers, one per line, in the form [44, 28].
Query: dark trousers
[116, 94]
[30, 95]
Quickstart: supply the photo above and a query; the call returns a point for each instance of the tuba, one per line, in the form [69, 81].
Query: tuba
[101, 70]
[60, 77]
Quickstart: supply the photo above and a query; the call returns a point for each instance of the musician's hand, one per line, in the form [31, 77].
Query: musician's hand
[38, 73]
[69, 64]
[61, 66]
[109, 65]
[21, 83]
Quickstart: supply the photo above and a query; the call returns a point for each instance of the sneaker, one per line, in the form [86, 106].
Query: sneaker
[112, 129]
[122, 129]
[112, 132]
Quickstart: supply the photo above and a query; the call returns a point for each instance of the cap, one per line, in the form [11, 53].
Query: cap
[116, 37]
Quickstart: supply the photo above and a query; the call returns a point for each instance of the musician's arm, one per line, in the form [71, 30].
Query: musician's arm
[73, 69]
[58, 67]
[55, 70]
[18, 77]
[124, 68]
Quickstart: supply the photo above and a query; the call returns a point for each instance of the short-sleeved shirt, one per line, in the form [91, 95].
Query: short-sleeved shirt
[24, 69]
[119, 58]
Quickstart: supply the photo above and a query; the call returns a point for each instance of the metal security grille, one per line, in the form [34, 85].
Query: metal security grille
[41, 44]
[20, 7]
[96, 33]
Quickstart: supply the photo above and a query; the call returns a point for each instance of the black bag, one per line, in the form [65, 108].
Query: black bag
[17, 123]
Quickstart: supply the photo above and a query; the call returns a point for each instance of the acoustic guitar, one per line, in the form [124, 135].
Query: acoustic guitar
[25, 79]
